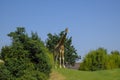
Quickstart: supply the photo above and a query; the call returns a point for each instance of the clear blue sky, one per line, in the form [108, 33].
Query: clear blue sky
[91, 23]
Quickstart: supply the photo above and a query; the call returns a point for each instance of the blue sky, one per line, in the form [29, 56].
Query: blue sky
[92, 23]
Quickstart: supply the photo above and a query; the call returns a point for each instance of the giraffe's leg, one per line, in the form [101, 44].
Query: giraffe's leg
[60, 59]
[63, 62]
[63, 59]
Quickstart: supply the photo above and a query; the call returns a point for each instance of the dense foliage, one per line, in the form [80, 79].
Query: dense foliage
[100, 60]
[26, 58]
[70, 52]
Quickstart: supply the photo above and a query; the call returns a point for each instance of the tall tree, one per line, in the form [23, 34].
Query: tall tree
[70, 52]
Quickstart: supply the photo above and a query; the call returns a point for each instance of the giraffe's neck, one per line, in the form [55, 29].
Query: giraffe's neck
[62, 40]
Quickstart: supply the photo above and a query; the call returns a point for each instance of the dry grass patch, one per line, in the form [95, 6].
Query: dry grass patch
[56, 76]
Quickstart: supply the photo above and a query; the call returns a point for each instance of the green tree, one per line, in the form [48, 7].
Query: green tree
[25, 58]
[115, 57]
[99, 59]
[70, 51]
[94, 60]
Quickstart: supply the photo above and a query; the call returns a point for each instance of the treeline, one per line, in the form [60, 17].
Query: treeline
[100, 59]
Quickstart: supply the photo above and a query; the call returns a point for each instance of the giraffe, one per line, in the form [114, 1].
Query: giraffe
[59, 50]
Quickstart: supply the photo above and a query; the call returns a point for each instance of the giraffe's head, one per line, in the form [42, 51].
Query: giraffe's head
[66, 30]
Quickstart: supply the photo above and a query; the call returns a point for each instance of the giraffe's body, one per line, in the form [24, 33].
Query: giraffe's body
[59, 50]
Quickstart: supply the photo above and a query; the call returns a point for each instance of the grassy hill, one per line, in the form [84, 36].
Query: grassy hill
[69, 74]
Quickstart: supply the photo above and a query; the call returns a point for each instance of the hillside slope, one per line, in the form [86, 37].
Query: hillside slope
[69, 74]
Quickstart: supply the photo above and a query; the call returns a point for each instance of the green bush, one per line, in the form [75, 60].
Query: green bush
[26, 58]
[99, 60]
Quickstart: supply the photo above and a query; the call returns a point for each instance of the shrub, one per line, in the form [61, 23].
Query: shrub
[25, 58]
[100, 60]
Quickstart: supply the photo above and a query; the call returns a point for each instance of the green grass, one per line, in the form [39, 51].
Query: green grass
[70, 74]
